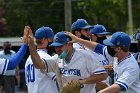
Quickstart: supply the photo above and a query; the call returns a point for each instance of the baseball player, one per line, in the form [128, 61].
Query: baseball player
[9, 77]
[81, 29]
[38, 80]
[11, 63]
[98, 34]
[126, 69]
[73, 64]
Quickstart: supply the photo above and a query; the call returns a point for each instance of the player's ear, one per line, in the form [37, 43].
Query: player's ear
[78, 33]
[50, 39]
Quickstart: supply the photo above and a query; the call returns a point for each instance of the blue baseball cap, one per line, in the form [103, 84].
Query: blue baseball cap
[120, 39]
[44, 32]
[80, 24]
[60, 39]
[99, 30]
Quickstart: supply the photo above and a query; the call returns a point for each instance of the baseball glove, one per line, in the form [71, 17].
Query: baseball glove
[72, 87]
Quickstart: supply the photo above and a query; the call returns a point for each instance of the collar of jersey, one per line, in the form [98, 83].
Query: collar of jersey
[67, 62]
[124, 58]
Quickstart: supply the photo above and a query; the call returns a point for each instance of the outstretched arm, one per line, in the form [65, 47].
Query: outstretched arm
[15, 60]
[89, 44]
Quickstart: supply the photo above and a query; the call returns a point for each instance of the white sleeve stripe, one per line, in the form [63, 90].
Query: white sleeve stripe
[46, 64]
[4, 69]
[101, 71]
[121, 83]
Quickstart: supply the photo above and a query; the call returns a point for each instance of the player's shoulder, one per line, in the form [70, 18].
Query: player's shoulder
[55, 56]
[2, 60]
[43, 54]
[130, 62]
[75, 45]
[131, 58]
[136, 55]
[83, 52]
[29, 60]
[40, 51]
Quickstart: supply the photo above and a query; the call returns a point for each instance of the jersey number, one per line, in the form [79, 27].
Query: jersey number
[30, 73]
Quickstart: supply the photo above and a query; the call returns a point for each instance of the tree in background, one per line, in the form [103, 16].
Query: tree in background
[35, 13]
[111, 13]
[3, 22]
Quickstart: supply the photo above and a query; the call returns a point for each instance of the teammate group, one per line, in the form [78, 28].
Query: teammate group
[82, 55]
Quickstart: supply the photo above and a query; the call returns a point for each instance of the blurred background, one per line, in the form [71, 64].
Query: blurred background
[115, 15]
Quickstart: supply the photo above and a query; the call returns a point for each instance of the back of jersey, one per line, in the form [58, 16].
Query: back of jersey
[37, 80]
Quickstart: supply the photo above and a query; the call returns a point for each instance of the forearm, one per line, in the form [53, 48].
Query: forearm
[101, 85]
[37, 61]
[89, 44]
[94, 78]
[15, 60]
[111, 89]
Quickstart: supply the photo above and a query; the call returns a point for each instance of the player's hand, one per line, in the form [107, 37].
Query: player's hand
[30, 38]
[25, 35]
[31, 42]
[30, 31]
[74, 38]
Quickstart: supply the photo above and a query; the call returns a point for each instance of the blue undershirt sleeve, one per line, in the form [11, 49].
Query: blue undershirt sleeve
[99, 48]
[15, 60]
[122, 87]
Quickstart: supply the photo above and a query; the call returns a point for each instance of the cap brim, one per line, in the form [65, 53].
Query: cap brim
[103, 33]
[108, 42]
[56, 44]
[86, 27]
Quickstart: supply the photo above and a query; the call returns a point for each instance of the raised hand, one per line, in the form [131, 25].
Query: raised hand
[74, 38]
[31, 43]
[25, 35]
[30, 31]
